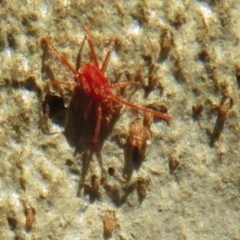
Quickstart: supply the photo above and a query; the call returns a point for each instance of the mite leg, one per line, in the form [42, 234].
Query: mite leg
[141, 109]
[98, 124]
[60, 57]
[107, 58]
[87, 33]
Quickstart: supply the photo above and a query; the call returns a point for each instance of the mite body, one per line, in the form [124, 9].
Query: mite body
[94, 83]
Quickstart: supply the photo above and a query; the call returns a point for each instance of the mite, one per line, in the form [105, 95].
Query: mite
[91, 78]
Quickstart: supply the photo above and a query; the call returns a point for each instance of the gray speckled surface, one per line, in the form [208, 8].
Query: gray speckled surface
[187, 54]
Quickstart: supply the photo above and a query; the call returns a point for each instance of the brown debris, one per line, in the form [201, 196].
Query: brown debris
[142, 185]
[30, 213]
[223, 111]
[167, 42]
[96, 182]
[173, 164]
[110, 222]
[197, 110]
[138, 134]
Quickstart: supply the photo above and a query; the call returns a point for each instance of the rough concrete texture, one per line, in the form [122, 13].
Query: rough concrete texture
[183, 183]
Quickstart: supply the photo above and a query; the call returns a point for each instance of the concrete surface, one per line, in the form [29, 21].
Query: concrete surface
[184, 184]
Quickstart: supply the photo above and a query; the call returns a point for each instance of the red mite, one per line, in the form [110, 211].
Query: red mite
[92, 80]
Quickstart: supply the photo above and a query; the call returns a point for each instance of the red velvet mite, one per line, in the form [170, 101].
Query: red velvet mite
[91, 78]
